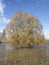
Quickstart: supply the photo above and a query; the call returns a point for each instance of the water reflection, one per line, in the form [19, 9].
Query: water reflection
[26, 56]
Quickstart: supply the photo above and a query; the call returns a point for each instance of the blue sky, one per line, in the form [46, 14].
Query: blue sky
[39, 8]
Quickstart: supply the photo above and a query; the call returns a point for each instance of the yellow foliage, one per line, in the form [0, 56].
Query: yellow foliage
[24, 29]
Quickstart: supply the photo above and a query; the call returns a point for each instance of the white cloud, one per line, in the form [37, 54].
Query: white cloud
[46, 33]
[1, 30]
[2, 7]
[8, 20]
[4, 19]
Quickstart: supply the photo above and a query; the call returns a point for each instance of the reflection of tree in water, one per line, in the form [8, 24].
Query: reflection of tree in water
[34, 56]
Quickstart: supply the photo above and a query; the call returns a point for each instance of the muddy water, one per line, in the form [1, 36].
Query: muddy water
[11, 56]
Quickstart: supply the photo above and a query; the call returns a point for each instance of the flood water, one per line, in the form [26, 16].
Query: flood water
[11, 56]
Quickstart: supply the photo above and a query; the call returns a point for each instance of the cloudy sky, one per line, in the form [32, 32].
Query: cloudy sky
[39, 8]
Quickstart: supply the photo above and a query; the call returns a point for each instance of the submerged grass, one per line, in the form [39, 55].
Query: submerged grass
[24, 57]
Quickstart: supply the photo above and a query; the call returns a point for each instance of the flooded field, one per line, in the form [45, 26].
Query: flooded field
[26, 56]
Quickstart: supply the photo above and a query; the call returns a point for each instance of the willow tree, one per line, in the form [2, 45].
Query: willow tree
[24, 30]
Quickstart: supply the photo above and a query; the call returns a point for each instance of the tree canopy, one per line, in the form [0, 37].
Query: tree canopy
[23, 30]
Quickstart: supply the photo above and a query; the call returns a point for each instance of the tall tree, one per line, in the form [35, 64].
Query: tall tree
[24, 30]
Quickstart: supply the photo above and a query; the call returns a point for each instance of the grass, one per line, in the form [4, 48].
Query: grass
[24, 57]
